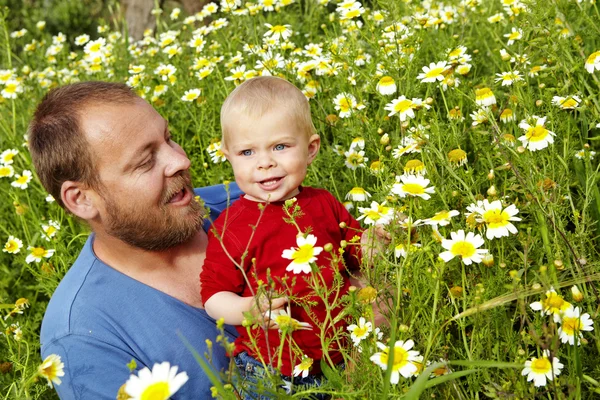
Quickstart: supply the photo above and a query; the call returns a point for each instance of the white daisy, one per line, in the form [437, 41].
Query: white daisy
[160, 383]
[571, 325]
[540, 369]
[302, 256]
[466, 247]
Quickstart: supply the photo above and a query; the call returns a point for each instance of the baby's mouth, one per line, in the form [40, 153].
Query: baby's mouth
[270, 182]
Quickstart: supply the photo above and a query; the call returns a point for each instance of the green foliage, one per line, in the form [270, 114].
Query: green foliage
[475, 319]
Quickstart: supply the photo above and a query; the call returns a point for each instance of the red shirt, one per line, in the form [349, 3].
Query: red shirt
[322, 213]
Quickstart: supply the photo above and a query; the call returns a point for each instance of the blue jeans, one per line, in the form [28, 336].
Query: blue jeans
[256, 384]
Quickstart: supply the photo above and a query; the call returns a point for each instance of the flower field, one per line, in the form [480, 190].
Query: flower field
[469, 129]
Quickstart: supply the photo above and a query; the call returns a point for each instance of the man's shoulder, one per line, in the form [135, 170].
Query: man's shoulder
[217, 198]
[59, 313]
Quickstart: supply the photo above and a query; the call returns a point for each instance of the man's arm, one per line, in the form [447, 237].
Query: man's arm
[93, 369]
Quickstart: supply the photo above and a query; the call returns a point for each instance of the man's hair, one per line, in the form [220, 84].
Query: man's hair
[257, 96]
[58, 145]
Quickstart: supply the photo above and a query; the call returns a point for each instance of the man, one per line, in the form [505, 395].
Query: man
[107, 157]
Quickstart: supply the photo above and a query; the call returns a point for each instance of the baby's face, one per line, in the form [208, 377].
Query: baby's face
[269, 156]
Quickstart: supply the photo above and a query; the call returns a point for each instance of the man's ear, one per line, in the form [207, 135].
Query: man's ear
[79, 199]
[314, 144]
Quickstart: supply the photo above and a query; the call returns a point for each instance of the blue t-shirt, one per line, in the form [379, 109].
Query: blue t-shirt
[99, 319]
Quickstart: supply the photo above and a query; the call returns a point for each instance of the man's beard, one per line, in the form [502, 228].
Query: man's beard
[158, 229]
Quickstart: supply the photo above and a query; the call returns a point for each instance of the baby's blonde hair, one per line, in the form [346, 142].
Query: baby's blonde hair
[257, 96]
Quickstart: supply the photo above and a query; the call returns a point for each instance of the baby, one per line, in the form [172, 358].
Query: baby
[270, 140]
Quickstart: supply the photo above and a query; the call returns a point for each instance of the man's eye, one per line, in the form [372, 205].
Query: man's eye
[146, 164]
[246, 153]
[280, 147]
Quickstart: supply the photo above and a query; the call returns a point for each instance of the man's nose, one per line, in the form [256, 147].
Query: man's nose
[177, 161]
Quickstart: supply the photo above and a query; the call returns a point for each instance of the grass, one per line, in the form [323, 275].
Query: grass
[476, 318]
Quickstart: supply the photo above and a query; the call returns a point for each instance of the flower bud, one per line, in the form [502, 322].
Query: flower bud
[343, 225]
[492, 191]
[456, 291]
[328, 247]
[385, 139]
[491, 175]
[543, 269]
[577, 295]
[488, 260]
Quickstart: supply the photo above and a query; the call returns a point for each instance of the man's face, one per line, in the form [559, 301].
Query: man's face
[145, 197]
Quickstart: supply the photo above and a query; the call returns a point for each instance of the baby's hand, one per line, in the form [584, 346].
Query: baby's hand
[262, 308]
[374, 240]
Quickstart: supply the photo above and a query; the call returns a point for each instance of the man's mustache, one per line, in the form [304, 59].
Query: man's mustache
[178, 183]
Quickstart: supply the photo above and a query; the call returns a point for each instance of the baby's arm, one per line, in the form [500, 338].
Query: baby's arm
[231, 307]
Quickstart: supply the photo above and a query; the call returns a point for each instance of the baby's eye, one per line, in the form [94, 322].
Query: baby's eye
[280, 146]
[246, 153]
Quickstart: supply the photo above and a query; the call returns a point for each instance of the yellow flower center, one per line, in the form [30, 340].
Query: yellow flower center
[11, 246]
[514, 35]
[278, 29]
[400, 358]
[353, 13]
[434, 72]
[442, 215]
[4, 171]
[455, 53]
[11, 88]
[536, 133]
[568, 103]
[403, 105]
[355, 159]
[303, 254]
[463, 249]
[457, 155]
[38, 252]
[592, 58]
[49, 371]
[361, 331]
[413, 165]
[372, 214]
[386, 81]
[555, 303]
[95, 47]
[496, 218]
[540, 365]
[413, 188]
[306, 363]
[483, 93]
[156, 391]
[571, 326]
